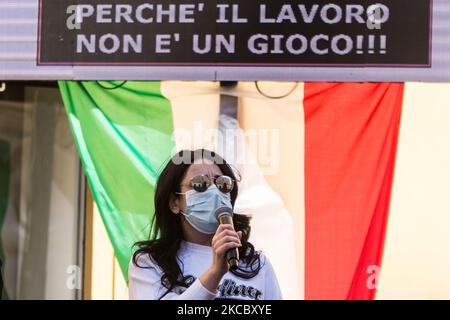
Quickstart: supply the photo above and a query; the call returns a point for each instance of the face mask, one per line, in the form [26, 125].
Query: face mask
[201, 207]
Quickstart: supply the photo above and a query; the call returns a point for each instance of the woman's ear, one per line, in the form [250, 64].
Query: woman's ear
[174, 204]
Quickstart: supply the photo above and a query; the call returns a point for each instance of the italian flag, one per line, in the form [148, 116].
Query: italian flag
[319, 197]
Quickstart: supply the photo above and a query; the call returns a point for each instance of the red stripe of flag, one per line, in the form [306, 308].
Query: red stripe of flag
[351, 132]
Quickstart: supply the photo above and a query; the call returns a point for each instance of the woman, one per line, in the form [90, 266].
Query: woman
[185, 257]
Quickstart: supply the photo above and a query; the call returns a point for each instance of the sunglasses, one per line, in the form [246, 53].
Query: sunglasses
[202, 182]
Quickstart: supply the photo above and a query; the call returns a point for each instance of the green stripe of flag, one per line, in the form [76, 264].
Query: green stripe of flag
[124, 137]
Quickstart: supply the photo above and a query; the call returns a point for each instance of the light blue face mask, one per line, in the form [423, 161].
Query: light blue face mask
[201, 207]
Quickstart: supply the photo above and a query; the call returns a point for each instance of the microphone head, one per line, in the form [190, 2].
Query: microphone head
[221, 211]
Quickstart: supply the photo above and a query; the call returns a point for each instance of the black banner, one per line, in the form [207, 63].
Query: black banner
[236, 33]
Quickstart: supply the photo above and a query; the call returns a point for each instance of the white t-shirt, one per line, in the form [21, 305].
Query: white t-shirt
[145, 283]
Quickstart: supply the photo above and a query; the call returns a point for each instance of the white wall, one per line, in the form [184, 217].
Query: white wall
[416, 262]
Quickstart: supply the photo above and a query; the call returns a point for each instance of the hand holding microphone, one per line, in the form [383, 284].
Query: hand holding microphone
[225, 242]
[225, 217]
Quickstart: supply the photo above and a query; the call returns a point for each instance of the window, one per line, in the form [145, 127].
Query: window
[41, 202]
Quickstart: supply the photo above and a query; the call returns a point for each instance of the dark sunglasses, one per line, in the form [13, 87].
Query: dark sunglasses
[202, 182]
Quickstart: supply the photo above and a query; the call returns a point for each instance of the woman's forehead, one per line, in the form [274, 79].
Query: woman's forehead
[203, 167]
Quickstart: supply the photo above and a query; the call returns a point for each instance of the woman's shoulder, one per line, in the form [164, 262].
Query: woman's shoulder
[272, 287]
[143, 260]
[266, 265]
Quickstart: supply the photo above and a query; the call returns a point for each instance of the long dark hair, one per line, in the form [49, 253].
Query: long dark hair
[166, 232]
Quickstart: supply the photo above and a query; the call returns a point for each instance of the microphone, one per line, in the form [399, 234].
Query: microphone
[225, 216]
